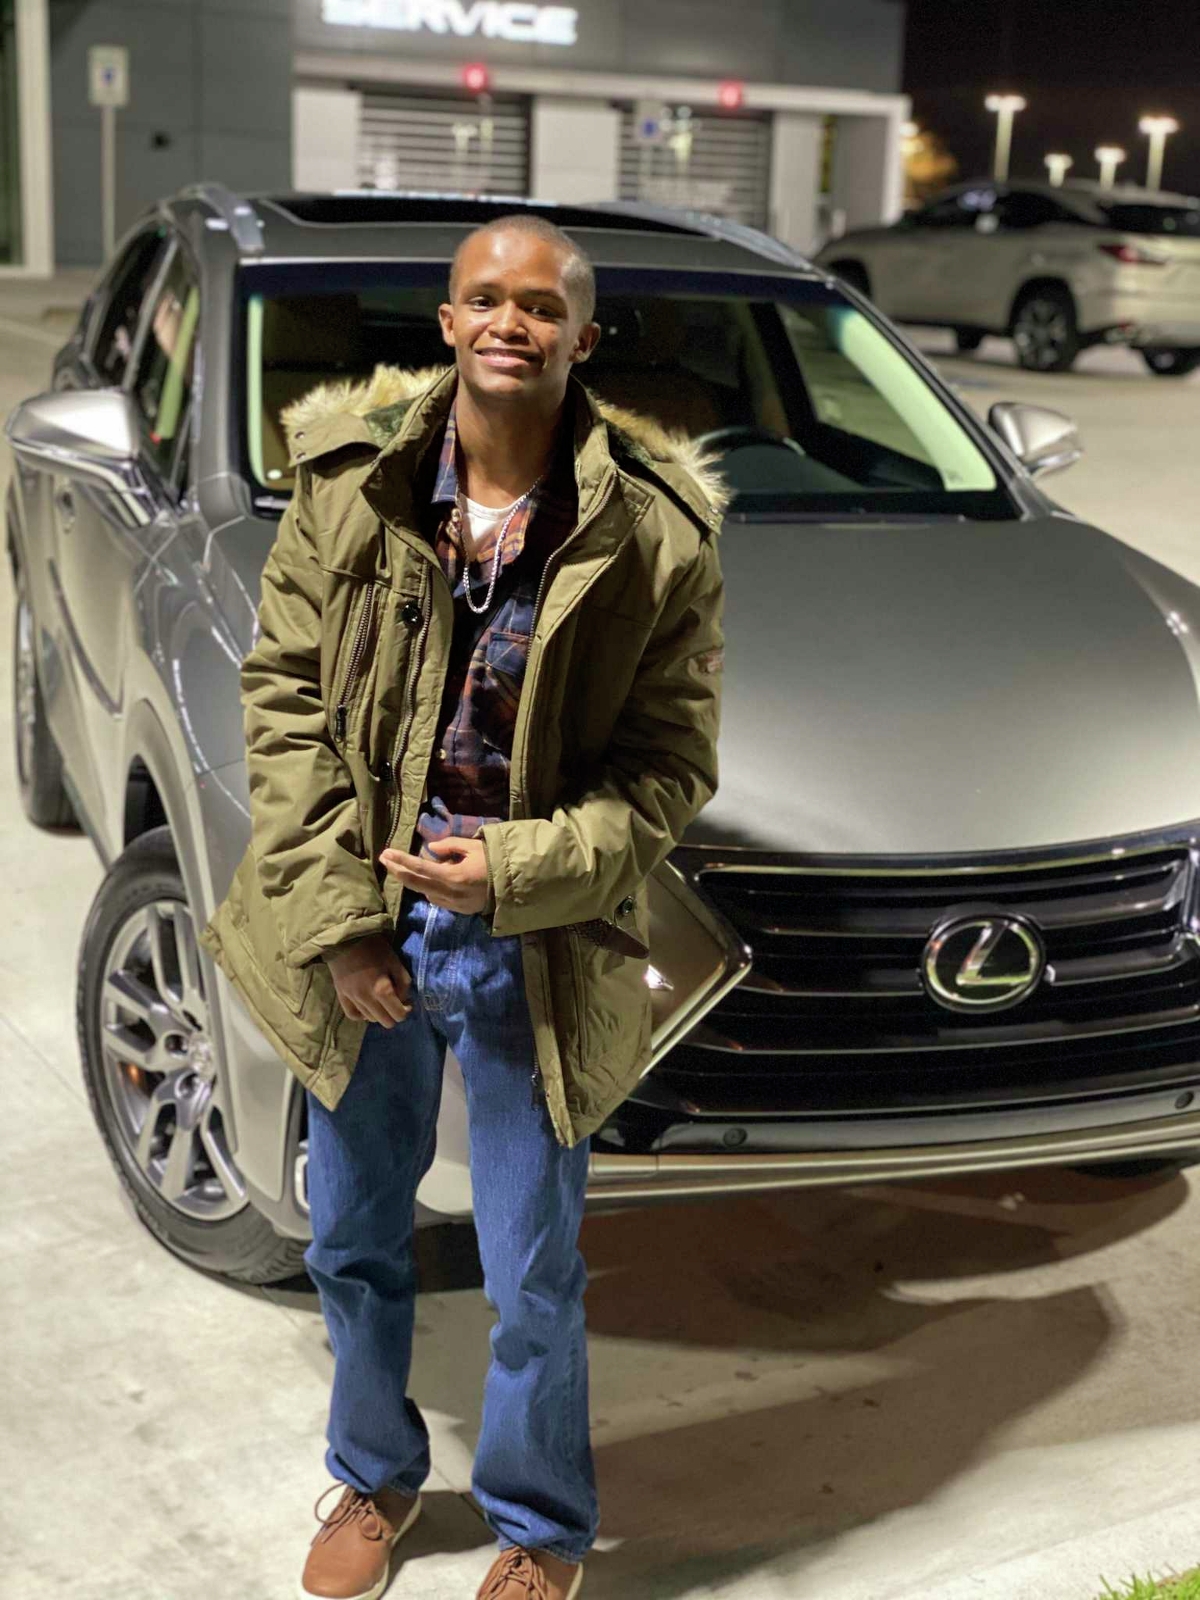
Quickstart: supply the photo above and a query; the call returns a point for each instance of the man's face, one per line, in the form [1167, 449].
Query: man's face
[515, 329]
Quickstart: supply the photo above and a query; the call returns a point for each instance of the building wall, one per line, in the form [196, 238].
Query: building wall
[855, 44]
[210, 99]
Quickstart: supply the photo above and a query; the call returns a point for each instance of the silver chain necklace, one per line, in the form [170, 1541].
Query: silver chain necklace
[499, 549]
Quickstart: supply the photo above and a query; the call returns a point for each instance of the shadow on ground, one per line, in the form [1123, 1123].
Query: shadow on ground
[745, 1466]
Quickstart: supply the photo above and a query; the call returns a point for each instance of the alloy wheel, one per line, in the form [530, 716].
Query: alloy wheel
[160, 1066]
[1042, 332]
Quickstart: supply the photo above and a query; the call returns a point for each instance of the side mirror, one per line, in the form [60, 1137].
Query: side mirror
[86, 433]
[1042, 440]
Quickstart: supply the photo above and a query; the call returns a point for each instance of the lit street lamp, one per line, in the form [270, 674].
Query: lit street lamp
[1110, 157]
[1006, 107]
[1158, 129]
[1058, 166]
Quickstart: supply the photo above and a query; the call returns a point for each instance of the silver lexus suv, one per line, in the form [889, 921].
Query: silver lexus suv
[942, 914]
[1055, 269]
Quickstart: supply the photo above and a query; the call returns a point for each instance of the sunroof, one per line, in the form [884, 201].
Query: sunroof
[366, 205]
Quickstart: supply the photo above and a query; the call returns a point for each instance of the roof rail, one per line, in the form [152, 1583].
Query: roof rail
[236, 214]
[762, 244]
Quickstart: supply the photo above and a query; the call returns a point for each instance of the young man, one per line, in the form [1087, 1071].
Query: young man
[482, 708]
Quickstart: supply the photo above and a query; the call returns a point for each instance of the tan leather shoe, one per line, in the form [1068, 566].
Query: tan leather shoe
[350, 1556]
[518, 1574]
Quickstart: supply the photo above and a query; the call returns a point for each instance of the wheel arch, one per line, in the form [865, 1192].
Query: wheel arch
[1031, 286]
[160, 792]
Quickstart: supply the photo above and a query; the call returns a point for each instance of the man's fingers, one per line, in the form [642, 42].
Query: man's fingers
[392, 992]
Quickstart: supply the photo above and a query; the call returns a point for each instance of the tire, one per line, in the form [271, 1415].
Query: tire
[968, 340]
[36, 757]
[1171, 363]
[150, 1071]
[1045, 330]
[855, 274]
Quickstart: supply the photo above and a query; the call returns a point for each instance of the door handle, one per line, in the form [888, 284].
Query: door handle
[65, 501]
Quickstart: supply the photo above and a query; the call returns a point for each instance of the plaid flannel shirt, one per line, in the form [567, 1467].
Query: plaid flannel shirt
[469, 773]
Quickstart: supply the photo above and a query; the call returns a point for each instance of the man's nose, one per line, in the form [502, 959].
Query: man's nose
[507, 321]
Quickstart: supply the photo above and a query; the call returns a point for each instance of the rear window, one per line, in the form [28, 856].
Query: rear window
[805, 400]
[1181, 221]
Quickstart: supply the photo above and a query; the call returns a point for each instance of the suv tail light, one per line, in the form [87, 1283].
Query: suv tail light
[1130, 255]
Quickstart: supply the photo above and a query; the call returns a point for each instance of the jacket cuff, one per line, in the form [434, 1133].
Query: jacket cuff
[356, 926]
[499, 884]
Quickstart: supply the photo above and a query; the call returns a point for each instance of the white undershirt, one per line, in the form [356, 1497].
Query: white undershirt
[482, 522]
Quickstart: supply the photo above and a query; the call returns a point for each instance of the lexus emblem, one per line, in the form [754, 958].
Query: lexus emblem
[982, 962]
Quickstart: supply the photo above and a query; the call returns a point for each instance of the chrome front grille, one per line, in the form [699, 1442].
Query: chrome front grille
[836, 974]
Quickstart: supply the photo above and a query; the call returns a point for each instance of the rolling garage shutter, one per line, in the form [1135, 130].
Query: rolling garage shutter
[726, 171]
[436, 143]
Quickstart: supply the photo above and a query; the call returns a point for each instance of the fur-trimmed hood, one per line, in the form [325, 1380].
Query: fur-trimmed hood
[379, 399]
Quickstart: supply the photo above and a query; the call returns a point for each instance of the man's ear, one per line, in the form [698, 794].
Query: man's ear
[446, 318]
[589, 338]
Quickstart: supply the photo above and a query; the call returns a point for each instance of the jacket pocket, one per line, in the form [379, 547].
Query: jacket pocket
[252, 921]
[611, 1036]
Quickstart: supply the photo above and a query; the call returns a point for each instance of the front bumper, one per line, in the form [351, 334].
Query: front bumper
[874, 1150]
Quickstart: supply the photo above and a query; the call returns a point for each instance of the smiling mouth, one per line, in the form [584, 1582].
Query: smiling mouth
[496, 357]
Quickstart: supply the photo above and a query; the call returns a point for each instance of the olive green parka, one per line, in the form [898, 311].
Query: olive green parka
[614, 749]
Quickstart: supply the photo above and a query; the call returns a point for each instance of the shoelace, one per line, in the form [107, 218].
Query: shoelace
[353, 1506]
[519, 1566]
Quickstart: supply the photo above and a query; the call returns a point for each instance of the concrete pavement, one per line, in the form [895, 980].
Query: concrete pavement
[978, 1388]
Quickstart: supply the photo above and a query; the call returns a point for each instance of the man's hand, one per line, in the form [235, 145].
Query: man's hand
[457, 879]
[372, 982]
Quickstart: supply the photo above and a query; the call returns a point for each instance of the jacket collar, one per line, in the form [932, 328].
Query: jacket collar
[398, 410]
[400, 459]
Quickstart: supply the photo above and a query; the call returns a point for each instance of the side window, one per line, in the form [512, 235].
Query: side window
[1028, 210]
[960, 210]
[162, 385]
[126, 294]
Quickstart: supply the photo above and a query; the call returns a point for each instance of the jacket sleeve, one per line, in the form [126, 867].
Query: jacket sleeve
[306, 834]
[661, 769]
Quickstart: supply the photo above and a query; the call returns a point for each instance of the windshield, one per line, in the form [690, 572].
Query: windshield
[809, 406]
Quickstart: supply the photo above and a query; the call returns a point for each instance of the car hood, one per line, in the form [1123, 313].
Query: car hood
[927, 689]
[951, 688]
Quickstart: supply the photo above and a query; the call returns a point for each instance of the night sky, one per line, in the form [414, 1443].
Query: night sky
[1088, 71]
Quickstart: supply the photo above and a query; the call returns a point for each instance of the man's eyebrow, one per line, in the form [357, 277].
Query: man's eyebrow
[542, 291]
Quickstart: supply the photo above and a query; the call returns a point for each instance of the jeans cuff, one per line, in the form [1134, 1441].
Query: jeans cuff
[573, 1557]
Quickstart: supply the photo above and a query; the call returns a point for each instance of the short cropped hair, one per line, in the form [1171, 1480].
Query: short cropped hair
[579, 273]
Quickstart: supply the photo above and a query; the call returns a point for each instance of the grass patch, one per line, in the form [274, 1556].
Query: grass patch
[1182, 1586]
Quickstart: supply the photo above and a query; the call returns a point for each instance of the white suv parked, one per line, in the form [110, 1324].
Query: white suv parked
[1055, 269]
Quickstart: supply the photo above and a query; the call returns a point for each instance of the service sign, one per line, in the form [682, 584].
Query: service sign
[465, 19]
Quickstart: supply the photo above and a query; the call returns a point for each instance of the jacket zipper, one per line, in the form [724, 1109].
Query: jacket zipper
[357, 651]
[537, 1086]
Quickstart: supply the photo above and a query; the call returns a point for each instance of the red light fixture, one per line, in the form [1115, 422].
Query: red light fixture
[476, 78]
[731, 94]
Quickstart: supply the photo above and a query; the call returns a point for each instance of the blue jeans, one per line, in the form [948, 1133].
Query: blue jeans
[533, 1474]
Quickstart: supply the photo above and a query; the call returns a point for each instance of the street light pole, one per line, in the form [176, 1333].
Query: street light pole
[1110, 157]
[1158, 129]
[1005, 107]
[1058, 167]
